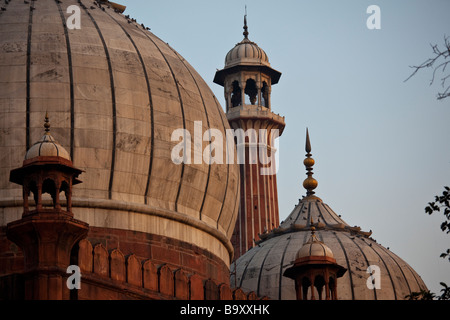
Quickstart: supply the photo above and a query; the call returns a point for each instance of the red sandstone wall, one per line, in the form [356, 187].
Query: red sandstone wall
[11, 257]
[120, 264]
[112, 275]
[162, 250]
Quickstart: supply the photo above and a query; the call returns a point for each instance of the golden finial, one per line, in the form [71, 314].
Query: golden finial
[47, 123]
[309, 183]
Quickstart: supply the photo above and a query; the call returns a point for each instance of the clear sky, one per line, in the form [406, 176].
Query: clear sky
[381, 145]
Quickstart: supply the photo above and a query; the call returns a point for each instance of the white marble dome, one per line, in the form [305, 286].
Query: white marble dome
[47, 146]
[314, 248]
[115, 93]
[261, 268]
[246, 52]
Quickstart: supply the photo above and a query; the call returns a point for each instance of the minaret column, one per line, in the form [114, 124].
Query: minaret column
[242, 85]
[258, 209]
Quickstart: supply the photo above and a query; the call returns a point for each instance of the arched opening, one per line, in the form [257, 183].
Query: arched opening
[332, 288]
[319, 282]
[306, 284]
[65, 194]
[251, 92]
[236, 99]
[48, 193]
[30, 196]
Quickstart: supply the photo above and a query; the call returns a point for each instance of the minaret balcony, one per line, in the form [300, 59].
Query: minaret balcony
[255, 112]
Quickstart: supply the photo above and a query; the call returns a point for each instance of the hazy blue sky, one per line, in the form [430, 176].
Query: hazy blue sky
[381, 145]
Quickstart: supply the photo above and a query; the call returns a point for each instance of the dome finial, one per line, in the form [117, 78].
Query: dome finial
[310, 183]
[245, 24]
[47, 122]
[308, 143]
[313, 229]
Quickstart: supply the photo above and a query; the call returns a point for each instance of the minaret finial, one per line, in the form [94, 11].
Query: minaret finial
[310, 183]
[308, 143]
[245, 24]
[47, 122]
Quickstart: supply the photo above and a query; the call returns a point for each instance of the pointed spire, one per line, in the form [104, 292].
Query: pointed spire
[245, 24]
[308, 143]
[309, 183]
[46, 123]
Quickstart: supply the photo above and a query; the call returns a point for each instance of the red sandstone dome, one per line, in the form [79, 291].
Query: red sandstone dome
[114, 93]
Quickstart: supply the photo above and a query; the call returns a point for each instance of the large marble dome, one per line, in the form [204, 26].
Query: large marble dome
[114, 93]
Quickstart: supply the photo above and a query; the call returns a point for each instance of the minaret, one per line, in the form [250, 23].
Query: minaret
[47, 230]
[247, 79]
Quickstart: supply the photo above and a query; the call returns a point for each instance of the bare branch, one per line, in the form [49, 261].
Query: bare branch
[429, 63]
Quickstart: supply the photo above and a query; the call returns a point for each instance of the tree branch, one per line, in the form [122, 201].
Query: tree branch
[429, 63]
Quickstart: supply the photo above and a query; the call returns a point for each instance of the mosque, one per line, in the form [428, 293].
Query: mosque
[88, 181]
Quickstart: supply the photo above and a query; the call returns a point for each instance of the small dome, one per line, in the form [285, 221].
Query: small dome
[47, 146]
[250, 56]
[314, 247]
[246, 52]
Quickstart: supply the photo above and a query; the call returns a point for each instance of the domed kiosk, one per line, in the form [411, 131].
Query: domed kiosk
[269, 268]
[115, 93]
[315, 268]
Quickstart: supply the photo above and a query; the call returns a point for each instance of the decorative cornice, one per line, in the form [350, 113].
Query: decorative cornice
[295, 227]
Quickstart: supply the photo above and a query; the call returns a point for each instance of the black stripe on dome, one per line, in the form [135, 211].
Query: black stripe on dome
[28, 99]
[260, 55]
[396, 262]
[329, 214]
[320, 213]
[305, 238]
[246, 266]
[365, 258]
[182, 112]
[299, 212]
[113, 99]
[221, 114]
[348, 264]
[147, 81]
[39, 150]
[72, 95]
[308, 220]
[209, 126]
[258, 293]
[415, 277]
[386, 266]
[281, 277]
